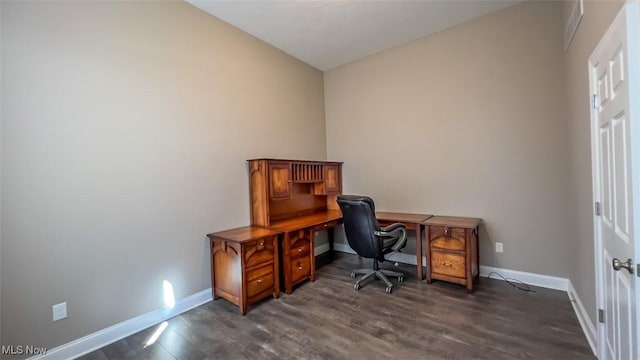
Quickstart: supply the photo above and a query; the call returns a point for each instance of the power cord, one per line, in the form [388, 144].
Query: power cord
[513, 282]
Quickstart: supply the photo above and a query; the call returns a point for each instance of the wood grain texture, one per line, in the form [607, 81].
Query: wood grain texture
[244, 234]
[308, 221]
[453, 221]
[297, 258]
[452, 250]
[301, 202]
[258, 193]
[401, 217]
[328, 319]
[282, 189]
[244, 269]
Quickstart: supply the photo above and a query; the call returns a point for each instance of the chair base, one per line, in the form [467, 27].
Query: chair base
[378, 274]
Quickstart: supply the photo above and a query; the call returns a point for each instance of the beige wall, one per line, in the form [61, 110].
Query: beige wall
[125, 129]
[468, 122]
[597, 17]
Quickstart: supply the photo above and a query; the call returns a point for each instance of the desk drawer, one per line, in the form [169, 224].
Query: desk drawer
[299, 238]
[324, 226]
[259, 252]
[302, 250]
[448, 238]
[300, 269]
[259, 280]
[447, 263]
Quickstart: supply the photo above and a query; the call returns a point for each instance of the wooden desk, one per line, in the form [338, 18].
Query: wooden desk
[244, 265]
[412, 222]
[298, 244]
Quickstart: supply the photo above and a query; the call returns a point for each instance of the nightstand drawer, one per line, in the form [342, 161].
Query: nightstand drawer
[259, 280]
[447, 263]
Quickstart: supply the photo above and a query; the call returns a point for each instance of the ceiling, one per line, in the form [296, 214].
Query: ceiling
[329, 33]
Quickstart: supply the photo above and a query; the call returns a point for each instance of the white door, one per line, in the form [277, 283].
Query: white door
[614, 75]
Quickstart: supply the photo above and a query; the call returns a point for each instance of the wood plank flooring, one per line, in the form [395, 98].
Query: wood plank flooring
[328, 319]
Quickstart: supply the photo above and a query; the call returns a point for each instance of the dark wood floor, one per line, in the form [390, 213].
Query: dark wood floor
[328, 319]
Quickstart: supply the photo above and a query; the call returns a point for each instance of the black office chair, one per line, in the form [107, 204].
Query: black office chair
[368, 239]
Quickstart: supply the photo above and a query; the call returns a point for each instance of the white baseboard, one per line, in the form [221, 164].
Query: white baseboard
[587, 325]
[104, 337]
[321, 249]
[545, 281]
[343, 248]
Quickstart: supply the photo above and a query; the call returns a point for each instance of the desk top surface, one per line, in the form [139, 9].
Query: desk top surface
[401, 217]
[453, 221]
[305, 221]
[245, 233]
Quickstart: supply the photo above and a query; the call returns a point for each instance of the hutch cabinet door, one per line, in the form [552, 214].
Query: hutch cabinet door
[332, 179]
[280, 180]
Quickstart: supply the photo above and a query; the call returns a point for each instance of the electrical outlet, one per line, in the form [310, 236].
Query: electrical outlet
[59, 311]
[499, 248]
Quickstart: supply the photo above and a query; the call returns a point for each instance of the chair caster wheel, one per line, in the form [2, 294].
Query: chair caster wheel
[357, 287]
[353, 274]
[389, 290]
[400, 279]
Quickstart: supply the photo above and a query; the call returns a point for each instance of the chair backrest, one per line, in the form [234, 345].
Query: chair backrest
[359, 219]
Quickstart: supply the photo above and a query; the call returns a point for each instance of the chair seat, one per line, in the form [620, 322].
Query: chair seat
[388, 243]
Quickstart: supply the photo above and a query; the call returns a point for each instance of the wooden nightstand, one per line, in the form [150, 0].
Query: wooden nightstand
[244, 265]
[452, 250]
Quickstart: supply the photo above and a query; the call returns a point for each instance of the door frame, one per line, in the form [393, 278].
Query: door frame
[631, 10]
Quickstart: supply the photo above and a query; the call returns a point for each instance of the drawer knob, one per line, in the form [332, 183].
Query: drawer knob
[300, 250]
[325, 225]
[259, 281]
[446, 263]
[262, 243]
[299, 267]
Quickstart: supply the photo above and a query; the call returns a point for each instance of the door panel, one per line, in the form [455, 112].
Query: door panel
[625, 314]
[611, 119]
[606, 177]
[610, 329]
[620, 175]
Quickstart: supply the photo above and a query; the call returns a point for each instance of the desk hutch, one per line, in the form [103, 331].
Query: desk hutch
[297, 198]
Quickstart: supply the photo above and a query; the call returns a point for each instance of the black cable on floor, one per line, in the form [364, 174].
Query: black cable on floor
[513, 282]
